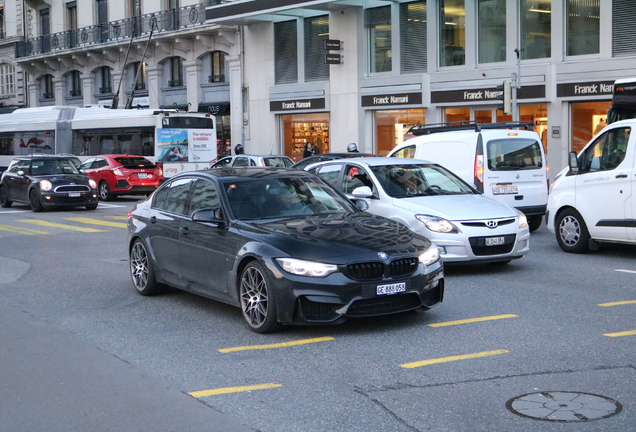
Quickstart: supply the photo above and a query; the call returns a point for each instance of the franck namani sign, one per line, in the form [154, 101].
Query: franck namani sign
[585, 89]
[394, 99]
[487, 94]
[297, 104]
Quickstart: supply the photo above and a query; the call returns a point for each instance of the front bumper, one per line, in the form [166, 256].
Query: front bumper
[335, 298]
[58, 199]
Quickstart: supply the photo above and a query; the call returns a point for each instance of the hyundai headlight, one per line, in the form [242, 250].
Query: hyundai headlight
[523, 220]
[306, 268]
[45, 185]
[437, 224]
[430, 256]
[92, 183]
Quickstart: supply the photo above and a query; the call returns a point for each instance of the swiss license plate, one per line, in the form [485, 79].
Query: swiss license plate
[144, 175]
[391, 288]
[505, 190]
[73, 194]
[494, 241]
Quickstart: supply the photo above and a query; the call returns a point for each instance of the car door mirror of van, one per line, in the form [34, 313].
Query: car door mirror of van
[573, 162]
[362, 192]
[208, 215]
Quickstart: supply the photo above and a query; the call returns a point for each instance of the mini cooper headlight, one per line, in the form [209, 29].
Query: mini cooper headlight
[430, 256]
[306, 268]
[437, 224]
[92, 183]
[45, 185]
[523, 220]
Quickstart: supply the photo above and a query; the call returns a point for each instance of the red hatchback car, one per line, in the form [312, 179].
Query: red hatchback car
[122, 175]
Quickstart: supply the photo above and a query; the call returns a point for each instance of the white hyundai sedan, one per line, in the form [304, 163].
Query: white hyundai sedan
[466, 225]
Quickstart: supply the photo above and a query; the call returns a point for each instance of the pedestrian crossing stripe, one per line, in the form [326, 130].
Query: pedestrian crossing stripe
[117, 217]
[59, 225]
[20, 230]
[92, 221]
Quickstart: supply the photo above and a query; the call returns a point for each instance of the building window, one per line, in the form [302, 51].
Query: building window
[176, 72]
[583, 31]
[217, 67]
[536, 20]
[47, 87]
[7, 80]
[45, 29]
[75, 83]
[106, 80]
[378, 24]
[413, 37]
[492, 30]
[623, 36]
[286, 52]
[452, 32]
[316, 33]
[172, 4]
[2, 34]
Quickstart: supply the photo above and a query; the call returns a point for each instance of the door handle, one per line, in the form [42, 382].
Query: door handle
[153, 219]
[184, 230]
[621, 175]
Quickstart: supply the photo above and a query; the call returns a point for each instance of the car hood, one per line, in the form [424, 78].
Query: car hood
[63, 179]
[352, 236]
[456, 207]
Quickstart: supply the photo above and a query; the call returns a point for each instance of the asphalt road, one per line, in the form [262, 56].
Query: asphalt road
[81, 350]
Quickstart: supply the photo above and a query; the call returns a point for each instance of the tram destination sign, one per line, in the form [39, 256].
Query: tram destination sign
[297, 105]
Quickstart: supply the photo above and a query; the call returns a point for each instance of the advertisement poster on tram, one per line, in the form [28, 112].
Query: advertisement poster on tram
[176, 147]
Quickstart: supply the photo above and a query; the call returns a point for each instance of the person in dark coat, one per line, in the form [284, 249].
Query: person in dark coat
[309, 150]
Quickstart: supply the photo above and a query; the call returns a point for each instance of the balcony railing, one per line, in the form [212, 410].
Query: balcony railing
[162, 21]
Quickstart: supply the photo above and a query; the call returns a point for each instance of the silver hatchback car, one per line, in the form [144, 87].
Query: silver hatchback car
[253, 160]
[432, 201]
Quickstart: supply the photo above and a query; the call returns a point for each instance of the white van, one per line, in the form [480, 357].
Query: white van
[592, 199]
[501, 160]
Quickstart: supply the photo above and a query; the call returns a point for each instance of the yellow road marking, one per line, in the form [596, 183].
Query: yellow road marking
[203, 393]
[472, 320]
[26, 231]
[625, 333]
[453, 358]
[58, 225]
[277, 345]
[117, 217]
[91, 221]
[618, 303]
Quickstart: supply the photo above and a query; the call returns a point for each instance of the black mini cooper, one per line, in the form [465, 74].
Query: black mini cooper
[45, 181]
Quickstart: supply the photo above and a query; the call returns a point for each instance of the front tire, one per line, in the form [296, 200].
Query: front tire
[34, 201]
[257, 300]
[104, 191]
[534, 222]
[91, 206]
[4, 200]
[141, 271]
[571, 232]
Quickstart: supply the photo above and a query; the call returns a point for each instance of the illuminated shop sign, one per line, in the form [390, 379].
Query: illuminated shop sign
[485, 94]
[297, 105]
[394, 99]
[585, 89]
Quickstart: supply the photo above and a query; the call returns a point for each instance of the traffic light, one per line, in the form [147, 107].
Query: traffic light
[505, 96]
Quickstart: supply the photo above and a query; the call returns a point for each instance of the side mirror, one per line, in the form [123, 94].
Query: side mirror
[362, 192]
[20, 173]
[360, 203]
[573, 162]
[209, 216]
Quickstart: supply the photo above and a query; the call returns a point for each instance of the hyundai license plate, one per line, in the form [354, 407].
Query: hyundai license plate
[505, 190]
[143, 175]
[391, 288]
[494, 241]
[73, 194]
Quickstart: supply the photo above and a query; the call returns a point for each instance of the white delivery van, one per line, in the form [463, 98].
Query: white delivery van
[592, 199]
[505, 161]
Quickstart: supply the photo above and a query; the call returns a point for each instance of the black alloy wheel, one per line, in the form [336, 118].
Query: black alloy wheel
[34, 201]
[571, 232]
[257, 300]
[4, 200]
[141, 271]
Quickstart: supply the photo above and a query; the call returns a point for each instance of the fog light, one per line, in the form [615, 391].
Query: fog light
[46, 197]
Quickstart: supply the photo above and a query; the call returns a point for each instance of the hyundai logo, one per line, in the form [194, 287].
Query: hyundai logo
[383, 255]
[491, 224]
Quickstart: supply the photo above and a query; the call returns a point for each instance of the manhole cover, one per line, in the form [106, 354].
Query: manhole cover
[563, 406]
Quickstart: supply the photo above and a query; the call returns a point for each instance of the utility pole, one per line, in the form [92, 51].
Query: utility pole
[516, 85]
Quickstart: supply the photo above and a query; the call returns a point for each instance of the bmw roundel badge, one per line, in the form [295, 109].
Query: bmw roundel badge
[383, 255]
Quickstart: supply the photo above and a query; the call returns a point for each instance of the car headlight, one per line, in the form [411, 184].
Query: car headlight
[45, 185]
[437, 224]
[92, 183]
[306, 268]
[523, 220]
[430, 256]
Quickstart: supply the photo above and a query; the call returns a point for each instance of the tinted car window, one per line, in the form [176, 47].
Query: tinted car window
[514, 154]
[20, 166]
[128, 162]
[173, 197]
[52, 166]
[204, 196]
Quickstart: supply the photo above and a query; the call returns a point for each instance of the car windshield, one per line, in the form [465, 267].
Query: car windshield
[53, 166]
[402, 181]
[514, 154]
[132, 163]
[277, 162]
[282, 197]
